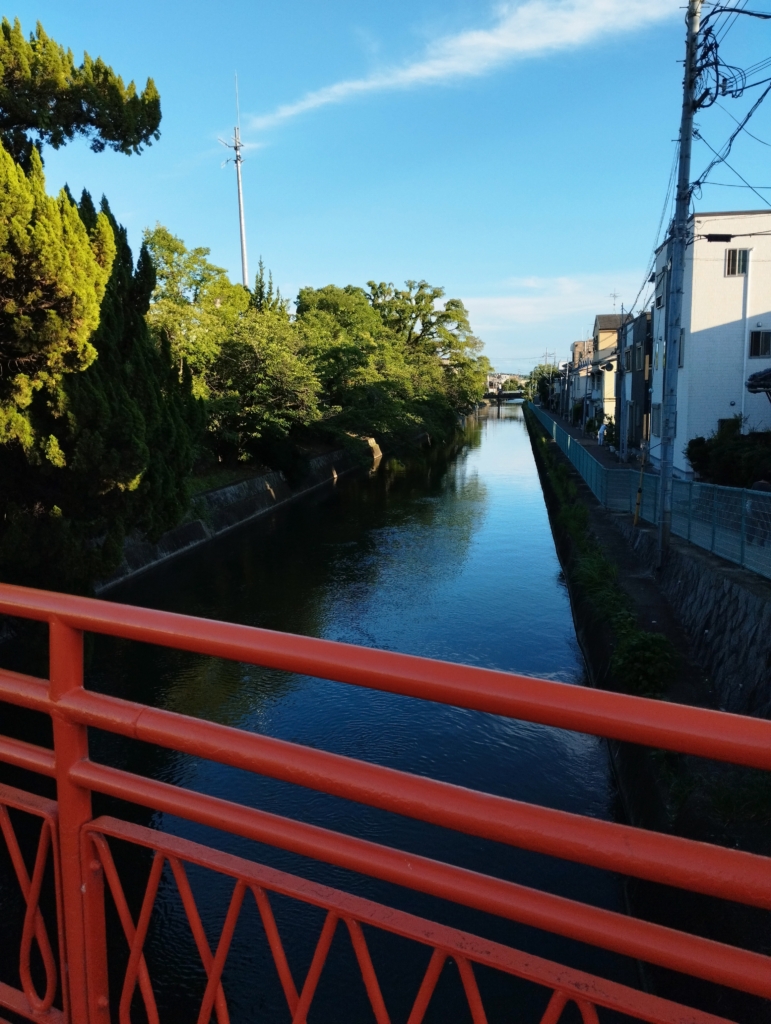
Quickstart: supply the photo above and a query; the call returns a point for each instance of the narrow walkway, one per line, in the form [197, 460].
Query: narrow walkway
[599, 452]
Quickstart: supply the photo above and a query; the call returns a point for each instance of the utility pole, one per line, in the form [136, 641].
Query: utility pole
[236, 145]
[676, 261]
[623, 418]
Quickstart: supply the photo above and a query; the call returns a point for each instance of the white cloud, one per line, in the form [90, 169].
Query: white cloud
[528, 29]
[543, 300]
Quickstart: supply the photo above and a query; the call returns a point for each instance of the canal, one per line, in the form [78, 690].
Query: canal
[444, 553]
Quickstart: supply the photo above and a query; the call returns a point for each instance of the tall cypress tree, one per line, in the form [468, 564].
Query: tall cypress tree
[125, 430]
[46, 98]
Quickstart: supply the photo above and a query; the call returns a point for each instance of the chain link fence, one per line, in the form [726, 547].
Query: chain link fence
[728, 521]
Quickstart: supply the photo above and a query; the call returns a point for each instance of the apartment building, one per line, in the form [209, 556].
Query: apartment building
[633, 384]
[725, 332]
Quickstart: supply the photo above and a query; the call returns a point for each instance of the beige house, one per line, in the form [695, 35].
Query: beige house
[602, 389]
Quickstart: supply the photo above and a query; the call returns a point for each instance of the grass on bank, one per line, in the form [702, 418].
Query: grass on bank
[644, 663]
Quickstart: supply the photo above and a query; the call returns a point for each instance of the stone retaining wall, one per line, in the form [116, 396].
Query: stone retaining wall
[727, 612]
[227, 507]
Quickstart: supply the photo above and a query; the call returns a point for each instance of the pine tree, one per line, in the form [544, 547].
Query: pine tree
[124, 431]
[46, 99]
[53, 273]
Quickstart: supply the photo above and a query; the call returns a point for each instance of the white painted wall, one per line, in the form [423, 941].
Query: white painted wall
[719, 311]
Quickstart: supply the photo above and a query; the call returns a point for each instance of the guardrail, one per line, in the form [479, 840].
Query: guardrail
[728, 521]
[80, 847]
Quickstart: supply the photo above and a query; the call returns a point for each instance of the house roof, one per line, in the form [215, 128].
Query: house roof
[728, 213]
[609, 321]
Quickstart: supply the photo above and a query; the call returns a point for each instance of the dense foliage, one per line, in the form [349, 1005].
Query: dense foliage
[539, 381]
[45, 98]
[97, 430]
[120, 381]
[106, 442]
[731, 458]
[53, 273]
[350, 361]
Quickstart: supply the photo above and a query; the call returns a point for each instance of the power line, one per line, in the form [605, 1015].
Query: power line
[729, 184]
[652, 257]
[729, 21]
[730, 168]
[720, 157]
[736, 119]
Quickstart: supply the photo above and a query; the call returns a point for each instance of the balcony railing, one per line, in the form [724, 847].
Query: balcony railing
[80, 848]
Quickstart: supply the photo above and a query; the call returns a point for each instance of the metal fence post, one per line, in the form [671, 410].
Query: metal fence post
[690, 508]
[82, 885]
[741, 541]
[714, 517]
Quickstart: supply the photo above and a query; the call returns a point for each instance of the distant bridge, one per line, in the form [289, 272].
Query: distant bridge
[505, 396]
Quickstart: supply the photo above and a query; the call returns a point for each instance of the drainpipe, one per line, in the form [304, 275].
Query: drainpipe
[623, 408]
[746, 311]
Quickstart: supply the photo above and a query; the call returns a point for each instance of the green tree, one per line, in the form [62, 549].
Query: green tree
[119, 441]
[45, 98]
[240, 346]
[367, 383]
[263, 296]
[193, 304]
[391, 363]
[53, 274]
[539, 381]
[259, 388]
[437, 337]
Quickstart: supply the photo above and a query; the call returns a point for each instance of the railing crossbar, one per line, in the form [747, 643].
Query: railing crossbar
[671, 860]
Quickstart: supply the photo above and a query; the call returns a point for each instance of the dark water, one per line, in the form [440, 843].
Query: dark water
[448, 555]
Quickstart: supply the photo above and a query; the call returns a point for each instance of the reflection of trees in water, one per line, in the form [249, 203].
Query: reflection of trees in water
[291, 571]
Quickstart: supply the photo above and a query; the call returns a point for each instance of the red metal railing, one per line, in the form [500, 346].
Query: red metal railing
[79, 845]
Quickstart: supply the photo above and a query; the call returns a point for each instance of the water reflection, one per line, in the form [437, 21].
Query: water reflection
[445, 553]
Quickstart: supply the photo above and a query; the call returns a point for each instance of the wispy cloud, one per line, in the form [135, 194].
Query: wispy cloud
[542, 300]
[529, 29]
[530, 314]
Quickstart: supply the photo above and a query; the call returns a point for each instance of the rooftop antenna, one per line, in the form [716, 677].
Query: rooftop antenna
[236, 145]
[614, 296]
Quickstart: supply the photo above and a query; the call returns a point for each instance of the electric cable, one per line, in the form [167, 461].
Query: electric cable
[721, 156]
[730, 168]
[736, 119]
[730, 22]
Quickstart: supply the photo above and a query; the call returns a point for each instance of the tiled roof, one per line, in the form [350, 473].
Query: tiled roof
[609, 321]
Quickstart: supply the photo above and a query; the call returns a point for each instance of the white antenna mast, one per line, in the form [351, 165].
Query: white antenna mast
[236, 145]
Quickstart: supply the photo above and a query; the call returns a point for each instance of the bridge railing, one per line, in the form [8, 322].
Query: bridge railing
[72, 983]
[728, 521]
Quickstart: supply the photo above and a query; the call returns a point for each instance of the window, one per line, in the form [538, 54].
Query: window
[627, 359]
[736, 262]
[760, 344]
[638, 357]
[681, 351]
[659, 301]
[656, 420]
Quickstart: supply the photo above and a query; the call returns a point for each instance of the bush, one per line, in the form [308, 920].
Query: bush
[730, 457]
[644, 662]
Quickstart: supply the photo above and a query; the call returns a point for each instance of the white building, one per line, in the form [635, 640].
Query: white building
[495, 381]
[726, 328]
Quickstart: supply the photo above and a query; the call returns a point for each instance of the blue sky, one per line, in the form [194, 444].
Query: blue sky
[515, 153]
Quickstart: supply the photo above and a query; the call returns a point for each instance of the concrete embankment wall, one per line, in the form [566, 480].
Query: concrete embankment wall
[725, 610]
[221, 510]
